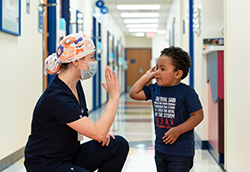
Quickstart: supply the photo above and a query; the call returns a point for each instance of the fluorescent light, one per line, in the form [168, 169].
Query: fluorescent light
[139, 34]
[161, 31]
[139, 7]
[140, 14]
[142, 30]
[140, 20]
[141, 25]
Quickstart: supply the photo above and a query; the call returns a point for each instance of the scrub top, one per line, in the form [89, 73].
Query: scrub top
[52, 142]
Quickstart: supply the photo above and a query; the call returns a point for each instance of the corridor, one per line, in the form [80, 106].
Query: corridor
[134, 121]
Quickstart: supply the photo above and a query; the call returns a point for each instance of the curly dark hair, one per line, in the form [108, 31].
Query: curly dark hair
[181, 59]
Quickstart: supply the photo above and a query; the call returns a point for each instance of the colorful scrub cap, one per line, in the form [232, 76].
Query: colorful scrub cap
[72, 47]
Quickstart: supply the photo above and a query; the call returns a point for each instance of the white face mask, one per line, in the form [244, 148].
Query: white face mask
[91, 72]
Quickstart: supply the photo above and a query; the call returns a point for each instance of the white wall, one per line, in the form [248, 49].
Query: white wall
[174, 16]
[21, 80]
[178, 12]
[86, 7]
[159, 42]
[184, 36]
[22, 73]
[211, 25]
[138, 42]
[108, 24]
[237, 84]
[184, 33]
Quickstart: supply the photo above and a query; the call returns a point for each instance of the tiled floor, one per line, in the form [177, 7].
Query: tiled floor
[134, 121]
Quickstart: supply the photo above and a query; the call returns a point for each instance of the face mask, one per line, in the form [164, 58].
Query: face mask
[91, 72]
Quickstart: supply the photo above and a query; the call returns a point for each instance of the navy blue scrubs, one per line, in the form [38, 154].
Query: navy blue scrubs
[54, 146]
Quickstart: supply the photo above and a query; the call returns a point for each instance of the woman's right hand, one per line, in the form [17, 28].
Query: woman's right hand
[112, 85]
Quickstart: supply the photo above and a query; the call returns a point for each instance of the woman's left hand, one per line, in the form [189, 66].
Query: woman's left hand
[107, 140]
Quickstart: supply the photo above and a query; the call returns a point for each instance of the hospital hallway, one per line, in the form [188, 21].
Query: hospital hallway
[134, 121]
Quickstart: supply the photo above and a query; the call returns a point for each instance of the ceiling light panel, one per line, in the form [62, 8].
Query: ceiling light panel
[140, 14]
[139, 7]
[139, 34]
[142, 30]
[161, 31]
[141, 20]
[141, 25]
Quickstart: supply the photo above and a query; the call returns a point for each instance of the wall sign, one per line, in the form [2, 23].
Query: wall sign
[197, 21]
[28, 6]
[10, 16]
[40, 19]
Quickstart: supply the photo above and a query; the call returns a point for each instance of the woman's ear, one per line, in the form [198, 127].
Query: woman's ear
[179, 74]
[75, 62]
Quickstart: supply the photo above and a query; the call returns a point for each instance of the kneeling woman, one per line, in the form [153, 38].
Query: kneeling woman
[60, 118]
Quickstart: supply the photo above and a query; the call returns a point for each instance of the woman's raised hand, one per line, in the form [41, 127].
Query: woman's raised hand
[112, 85]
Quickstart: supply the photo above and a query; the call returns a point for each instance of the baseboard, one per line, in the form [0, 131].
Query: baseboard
[219, 158]
[201, 143]
[11, 159]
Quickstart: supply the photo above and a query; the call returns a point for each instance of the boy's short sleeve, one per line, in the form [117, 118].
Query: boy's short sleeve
[192, 101]
[65, 108]
[147, 92]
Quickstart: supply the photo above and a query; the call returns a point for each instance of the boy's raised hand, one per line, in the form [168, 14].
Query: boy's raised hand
[151, 72]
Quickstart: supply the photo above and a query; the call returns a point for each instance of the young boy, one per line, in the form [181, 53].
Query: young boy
[177, 110]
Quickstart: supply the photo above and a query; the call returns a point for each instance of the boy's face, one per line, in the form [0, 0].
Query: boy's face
[165, 74]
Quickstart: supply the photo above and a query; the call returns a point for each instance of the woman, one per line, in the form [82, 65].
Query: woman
[60, 118]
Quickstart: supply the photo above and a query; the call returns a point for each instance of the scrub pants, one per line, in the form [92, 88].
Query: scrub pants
[92, 155]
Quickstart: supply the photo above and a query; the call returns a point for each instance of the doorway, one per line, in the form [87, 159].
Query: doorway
[139, 60]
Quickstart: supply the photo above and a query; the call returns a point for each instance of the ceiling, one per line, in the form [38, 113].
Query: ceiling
[115, 13]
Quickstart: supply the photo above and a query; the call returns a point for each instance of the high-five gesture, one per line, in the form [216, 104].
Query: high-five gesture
[112, 85]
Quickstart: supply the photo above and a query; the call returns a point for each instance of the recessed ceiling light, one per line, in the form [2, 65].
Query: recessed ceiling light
[139, 34]
[140, 20]
[161, 31]
[139, 7]
[142, 30]
[141, 25]
[140, 14]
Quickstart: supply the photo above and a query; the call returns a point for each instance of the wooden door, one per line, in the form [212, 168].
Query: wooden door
[138, 63]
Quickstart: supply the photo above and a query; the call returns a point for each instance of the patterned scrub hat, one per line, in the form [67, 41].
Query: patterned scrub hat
[72, 47]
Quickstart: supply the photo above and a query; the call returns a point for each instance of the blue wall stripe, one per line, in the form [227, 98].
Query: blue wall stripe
[125, 54]
[66, 14]
[99, 69]
[52, 32]
[191, 43]
[107, 57]
[94, 77]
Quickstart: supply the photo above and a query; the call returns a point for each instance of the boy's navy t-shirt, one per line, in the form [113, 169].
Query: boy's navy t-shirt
[173, 106]
[52, 141]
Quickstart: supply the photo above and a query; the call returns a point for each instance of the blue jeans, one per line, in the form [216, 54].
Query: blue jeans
[169, 163]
